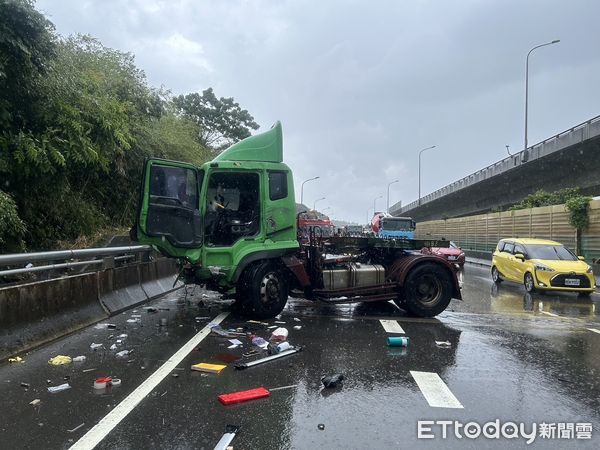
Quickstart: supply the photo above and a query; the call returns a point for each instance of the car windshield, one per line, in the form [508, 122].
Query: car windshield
[551, 252]
[453, 245]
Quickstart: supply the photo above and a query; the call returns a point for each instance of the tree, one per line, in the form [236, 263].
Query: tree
[222, 121]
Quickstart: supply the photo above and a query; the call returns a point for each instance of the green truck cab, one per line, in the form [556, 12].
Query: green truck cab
[232, 225]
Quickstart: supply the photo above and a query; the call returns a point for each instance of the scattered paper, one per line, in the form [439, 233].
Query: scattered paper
[95, 346]
[235, 341]
[443, 344]
[297, 327]
[391, 326]
[296, 319]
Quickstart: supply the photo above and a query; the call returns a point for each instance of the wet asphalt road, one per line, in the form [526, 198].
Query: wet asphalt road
[511, 357]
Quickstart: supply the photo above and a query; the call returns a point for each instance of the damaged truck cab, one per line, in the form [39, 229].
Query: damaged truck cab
[232, 225]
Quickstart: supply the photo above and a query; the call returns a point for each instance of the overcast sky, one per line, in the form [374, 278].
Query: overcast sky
[361, 87]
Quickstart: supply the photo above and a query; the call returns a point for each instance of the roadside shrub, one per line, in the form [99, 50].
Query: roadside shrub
[12, 228]
[578, 208]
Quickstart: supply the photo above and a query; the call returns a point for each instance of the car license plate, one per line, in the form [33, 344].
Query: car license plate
[451, 258]
[572, 282]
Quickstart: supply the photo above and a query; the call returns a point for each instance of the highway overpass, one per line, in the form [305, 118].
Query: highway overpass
[568, 159]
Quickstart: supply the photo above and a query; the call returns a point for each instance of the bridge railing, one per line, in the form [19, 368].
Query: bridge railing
[21, 266]
[576, 134]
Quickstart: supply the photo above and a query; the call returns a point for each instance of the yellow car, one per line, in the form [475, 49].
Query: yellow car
[541, 265]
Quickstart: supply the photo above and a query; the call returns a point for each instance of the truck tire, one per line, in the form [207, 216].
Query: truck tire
[427, 290]
[262, 291]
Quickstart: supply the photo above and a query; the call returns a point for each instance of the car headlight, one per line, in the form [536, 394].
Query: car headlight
[543, 268]
[589, 270]
[461, 254]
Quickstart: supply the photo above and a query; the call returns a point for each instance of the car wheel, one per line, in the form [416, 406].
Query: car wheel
[496, 275]
[529, 283]
[262, 291]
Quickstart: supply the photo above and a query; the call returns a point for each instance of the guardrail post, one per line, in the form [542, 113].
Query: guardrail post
[108, 262]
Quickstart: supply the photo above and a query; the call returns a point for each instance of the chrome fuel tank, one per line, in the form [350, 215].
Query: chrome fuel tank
[353, 275]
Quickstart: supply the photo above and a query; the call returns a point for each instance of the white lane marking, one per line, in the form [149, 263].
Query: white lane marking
[391, 326]
[95, 435]
[435, 391]
[594, 330]
[549, 314]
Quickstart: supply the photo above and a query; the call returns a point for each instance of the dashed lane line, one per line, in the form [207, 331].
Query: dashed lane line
[95, 435]
[391, 326]
[435, 391]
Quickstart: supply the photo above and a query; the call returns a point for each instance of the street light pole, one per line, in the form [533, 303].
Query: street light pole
[388, 195]
[315, 202]
[375, 202]
[421, 151]
[556, 41]
[302, 189]
[368, 210]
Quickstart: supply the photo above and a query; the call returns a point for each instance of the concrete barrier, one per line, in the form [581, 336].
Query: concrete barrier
[35, 313]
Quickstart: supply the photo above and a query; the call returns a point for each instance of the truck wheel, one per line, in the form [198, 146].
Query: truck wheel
[427, 290]
[262, 291]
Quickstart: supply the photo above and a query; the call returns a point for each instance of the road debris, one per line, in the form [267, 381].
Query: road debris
[321, 426]
[235, 342]
[123, 353]
[296, 319]
[280, 388]
[283, 346]
[297, 327]
[137, 320]
[443, 344]
[35, 402]
[95, 346]
[279, 321]
[25, 385]
[60, 360]
[332, 381]
[243, 396]
[16, 359]
[260, 342]
[88, 370]
[230, 432]
[208, 368]
[397, 341]
[59, 388]
[102, 382]
[113, 347]
[291, 351]
[280, 334]
[79, 358]
[257, 322]
[76, 428]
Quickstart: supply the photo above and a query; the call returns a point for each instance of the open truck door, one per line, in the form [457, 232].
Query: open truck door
[169, 210]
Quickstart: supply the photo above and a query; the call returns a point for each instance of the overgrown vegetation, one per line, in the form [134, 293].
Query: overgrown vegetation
[578, 206]
[543, 198]
[77, 119]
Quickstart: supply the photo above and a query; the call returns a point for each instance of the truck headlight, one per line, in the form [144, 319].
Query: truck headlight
[543, 268]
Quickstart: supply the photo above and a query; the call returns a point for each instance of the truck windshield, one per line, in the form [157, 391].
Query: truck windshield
[551, 252]
[397, 224]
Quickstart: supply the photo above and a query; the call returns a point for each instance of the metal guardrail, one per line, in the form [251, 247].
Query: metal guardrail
[577, 134]
[89, 256]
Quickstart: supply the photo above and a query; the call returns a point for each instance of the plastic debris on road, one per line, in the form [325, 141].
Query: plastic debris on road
[79, 358]
[16, 359]
[35, 402]
[95, 346]
[59, 388]
[221, 332]
[60, 360]
[133, 320]
[258, 322]
[208, 368]
[443, 344]
[280, 334]
[396, 341]
[113, 347]
[291, 351]
[230, 432]
[76, 428]
[332, 381]
[243, 396]
[123, 353]
[260, 342]
[298, 327]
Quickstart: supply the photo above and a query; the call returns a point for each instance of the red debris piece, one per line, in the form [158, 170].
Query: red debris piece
[243, 396]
